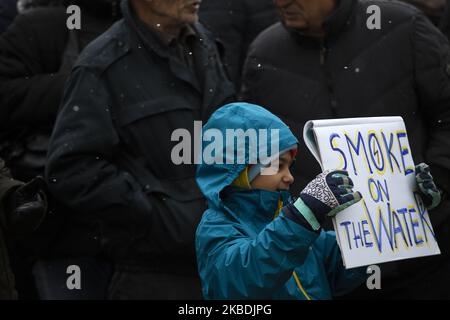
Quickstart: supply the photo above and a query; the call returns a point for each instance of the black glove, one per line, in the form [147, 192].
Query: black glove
[430, 193]
[26, 207]
[327, 195]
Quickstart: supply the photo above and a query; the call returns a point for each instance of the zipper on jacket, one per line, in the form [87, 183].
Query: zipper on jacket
[323, 52]
[297, 280]
[299, 285]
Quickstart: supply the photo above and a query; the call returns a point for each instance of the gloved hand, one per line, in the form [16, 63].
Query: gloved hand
[431, 196]
[327, 195]
[26, 207]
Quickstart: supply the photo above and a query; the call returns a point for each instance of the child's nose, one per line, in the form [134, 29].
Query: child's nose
[288, 178]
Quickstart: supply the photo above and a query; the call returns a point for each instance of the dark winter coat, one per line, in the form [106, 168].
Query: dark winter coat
[236, 23]
[36, 55]
[433, 9]
[401, 70]
[8, 10]
[445, 21]
[7, 287]
[110, 154]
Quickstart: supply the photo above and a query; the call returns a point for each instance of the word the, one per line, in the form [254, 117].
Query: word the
[407, 225]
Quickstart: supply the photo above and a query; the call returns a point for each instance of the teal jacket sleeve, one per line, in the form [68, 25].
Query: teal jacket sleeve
[341, 280]
[235, 265]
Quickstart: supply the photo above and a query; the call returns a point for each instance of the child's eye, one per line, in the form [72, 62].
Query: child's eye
[292, 164]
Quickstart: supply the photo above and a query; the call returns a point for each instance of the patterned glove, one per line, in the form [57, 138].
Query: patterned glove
[430, 194]
[327, 195]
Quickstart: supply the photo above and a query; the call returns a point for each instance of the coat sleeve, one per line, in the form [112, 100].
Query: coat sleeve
[6, 181]
[6, 185]
[81, 171]
[432, 77]
[30, 85]
[341, 280]
[233, 265]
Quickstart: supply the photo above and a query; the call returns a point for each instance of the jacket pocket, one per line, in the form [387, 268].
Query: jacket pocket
[176, 217]
[146, 131]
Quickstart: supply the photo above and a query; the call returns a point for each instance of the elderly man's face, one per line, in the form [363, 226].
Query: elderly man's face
[304, 14]
[180, 11]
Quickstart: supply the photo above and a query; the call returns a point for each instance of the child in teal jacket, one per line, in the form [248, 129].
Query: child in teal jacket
[255, 241]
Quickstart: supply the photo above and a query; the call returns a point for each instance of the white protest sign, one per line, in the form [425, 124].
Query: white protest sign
[391, 222]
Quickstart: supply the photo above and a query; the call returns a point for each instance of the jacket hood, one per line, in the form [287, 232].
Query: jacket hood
[233, 155]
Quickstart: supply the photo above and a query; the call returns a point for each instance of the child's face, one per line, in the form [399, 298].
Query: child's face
[282, 180]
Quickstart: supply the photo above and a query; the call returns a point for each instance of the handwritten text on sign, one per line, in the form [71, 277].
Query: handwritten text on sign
[391, 223]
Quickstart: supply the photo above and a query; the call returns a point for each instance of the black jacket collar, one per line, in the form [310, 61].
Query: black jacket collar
[334, 24]
[147, 37]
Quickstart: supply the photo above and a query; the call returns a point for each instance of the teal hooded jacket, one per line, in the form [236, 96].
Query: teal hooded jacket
[243, 250]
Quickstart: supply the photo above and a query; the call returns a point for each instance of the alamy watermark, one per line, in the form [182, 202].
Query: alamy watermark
[73, 22]
[373, 21]
[374, 280]
[73, 281]
[252, 146]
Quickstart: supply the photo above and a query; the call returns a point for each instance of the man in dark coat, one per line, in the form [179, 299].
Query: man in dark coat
[36, 55]
[324, 62]
[22, 209]
[236, 23]
[110, 157]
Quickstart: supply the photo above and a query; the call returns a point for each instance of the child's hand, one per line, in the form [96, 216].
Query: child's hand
[431, 196]
[327, 195]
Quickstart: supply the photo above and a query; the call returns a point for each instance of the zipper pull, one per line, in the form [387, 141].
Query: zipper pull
[323, 54]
